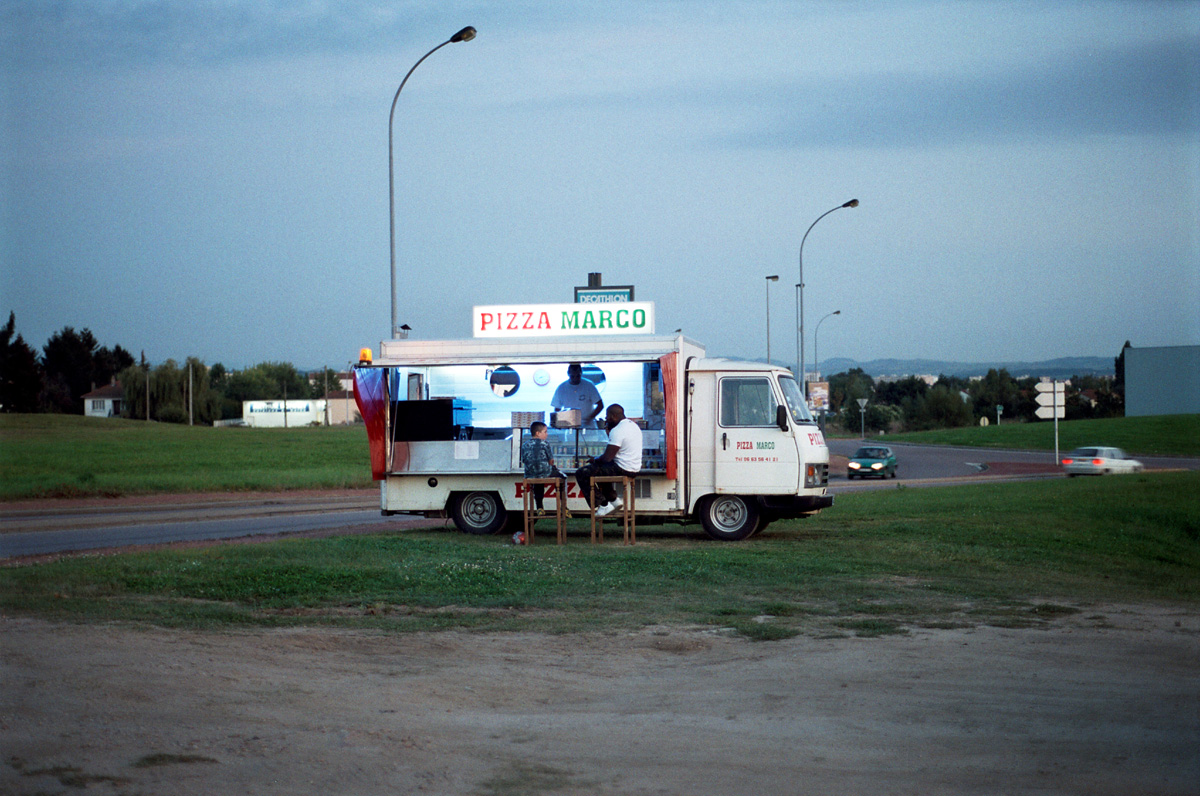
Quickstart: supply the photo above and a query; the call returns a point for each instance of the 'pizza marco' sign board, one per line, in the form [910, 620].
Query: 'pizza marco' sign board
[562, 320]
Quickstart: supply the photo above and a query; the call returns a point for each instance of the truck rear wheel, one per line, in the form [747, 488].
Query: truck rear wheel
[479, 512]
[728, 518]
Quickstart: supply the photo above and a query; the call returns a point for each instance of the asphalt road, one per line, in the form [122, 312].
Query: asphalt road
[67, 526]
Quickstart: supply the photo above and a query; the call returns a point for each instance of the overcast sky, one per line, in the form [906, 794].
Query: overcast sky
[210, 178]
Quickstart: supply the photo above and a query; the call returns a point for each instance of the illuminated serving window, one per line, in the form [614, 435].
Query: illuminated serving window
[495, 392]
[484, 402]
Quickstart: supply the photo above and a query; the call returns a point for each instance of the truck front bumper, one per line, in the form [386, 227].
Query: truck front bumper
[784, 506]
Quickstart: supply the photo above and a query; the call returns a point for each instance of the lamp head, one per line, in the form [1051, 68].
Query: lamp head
[851, 203]
[837, 312]
[773, 278]
[466, 34]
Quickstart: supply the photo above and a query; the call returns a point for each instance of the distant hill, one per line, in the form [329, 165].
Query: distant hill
[1061, 368]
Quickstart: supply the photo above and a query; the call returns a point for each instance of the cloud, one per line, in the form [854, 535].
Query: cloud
[1152, 89]
[164, 32]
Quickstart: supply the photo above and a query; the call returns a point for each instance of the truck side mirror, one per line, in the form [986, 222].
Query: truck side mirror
[781, 417]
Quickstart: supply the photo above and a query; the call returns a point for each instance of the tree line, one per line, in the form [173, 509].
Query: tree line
[912, 404]
[73, 363]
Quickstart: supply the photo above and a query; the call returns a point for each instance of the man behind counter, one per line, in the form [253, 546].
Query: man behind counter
[623, 456]
[578, 393]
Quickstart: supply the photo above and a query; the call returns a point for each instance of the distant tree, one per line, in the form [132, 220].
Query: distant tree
[68, 365]
[896, 392]
[217, 375]
[997, 388]
[872, 419]
[206, 404]
[848, 387]
[1119, 378]
[319, 378]
[956, 383]
[169, 385]
[1026, 399]
[133, 382]
[20, 373]
[941, 407]
[1091, 397]
[107, 363]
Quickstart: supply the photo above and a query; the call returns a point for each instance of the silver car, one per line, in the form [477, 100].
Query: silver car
[1099, 461]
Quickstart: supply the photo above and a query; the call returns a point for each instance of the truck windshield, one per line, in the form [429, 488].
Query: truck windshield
[795, 401]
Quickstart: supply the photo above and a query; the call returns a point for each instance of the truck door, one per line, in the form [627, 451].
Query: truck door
[753, 455]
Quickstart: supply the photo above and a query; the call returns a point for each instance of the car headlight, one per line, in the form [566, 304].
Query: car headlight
[877, 466]
[854, 465]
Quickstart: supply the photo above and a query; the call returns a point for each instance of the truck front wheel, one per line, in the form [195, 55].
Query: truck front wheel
[478, 512]
[728, 518]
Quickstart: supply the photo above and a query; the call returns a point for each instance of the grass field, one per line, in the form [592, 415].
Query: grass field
[1017, 554]
[1166, 435]
[67, 456]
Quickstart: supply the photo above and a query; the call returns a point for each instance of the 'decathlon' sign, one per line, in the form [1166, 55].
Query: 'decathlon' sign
[558, 320]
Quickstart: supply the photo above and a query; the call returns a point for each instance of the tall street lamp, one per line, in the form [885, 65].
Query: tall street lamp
[770, 279]
[466, 34]
[800, 300]
[817, 351]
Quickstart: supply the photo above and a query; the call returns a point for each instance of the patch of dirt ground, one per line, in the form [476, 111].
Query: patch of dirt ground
[1106, 701]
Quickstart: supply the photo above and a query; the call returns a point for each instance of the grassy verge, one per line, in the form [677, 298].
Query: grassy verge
[880, 562]
[1166, 435]
[65, 456]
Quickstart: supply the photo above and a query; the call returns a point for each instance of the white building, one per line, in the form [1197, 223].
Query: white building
[1162, 380]
[105, 401]
[277, 414]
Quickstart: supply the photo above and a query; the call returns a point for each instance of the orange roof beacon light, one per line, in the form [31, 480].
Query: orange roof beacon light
[364, 356]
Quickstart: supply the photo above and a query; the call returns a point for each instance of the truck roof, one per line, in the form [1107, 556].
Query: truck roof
[725, 364]
[534, 349]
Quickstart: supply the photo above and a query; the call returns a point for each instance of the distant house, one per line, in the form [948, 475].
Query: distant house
[106, 401]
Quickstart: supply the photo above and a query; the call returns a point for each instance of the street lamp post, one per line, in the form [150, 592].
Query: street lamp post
[817, 351]
[817, 362]
[800, 300]
[466, 34]
[770, 279]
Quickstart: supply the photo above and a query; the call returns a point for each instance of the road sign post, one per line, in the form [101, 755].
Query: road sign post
[862, 411]
[1051, 400]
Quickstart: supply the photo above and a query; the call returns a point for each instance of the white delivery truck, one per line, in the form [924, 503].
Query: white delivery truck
[730, 444]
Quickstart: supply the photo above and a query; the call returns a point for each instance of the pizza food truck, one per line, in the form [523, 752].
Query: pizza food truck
[729, 444]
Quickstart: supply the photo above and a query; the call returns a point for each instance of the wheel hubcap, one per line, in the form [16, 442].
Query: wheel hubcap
[729, 514]
[480, 511]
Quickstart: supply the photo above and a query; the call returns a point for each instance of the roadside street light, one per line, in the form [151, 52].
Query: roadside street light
[800, 301]
[770, 279]
[817, 351]
[466, 34]
[817, 362]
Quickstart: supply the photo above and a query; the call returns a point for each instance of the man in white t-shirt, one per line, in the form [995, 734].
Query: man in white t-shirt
[623, 456]
[578, 393]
